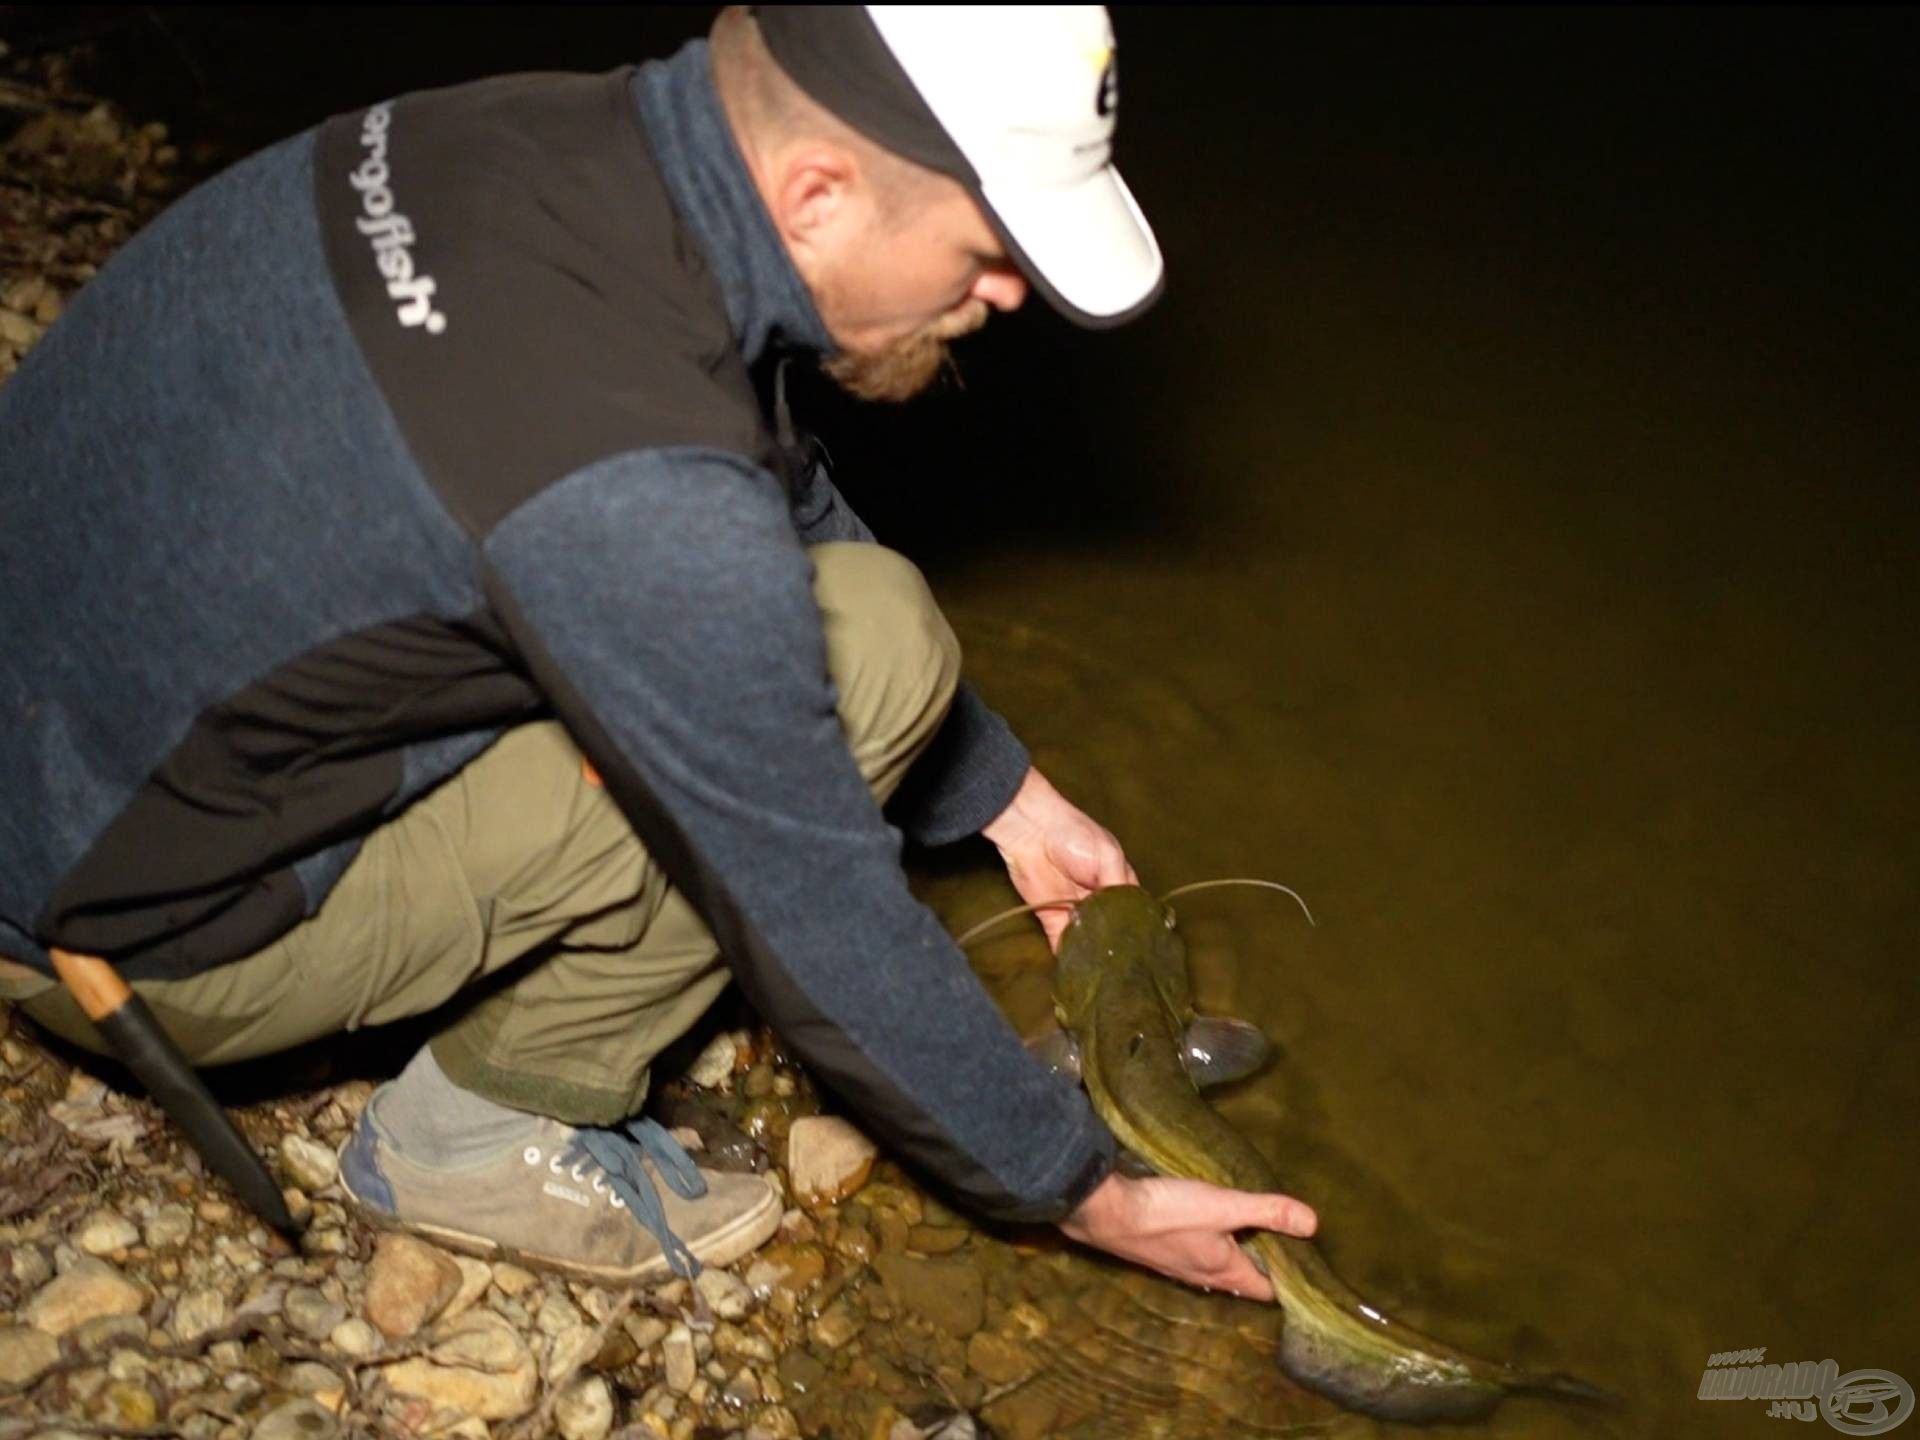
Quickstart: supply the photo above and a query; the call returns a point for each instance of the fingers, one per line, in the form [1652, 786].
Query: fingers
[1196, 1203]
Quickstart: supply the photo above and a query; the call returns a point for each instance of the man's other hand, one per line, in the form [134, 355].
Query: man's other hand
[1055, 851]
[1184, 1229]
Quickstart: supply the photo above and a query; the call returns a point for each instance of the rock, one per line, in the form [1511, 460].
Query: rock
[556, 1314]
[715, 1063]
[998, 1360]
[571, 1349]
[88, 1290]
[128, 1405]
[106, 1331]
[585, 1410]
[214, 1212]
[676, 1351]
[512, 1280]
[475, 1277]
[324, 1240]
[835, 1327]
[307, 1163]
[744, 1390]
[950, 1295]
[25, 1354]
[302, 1419]
[264, 1299]
[309, 1377]
[410, 1283]
[647, 1330]
[105, 1231]
[725, 1292]
[196, 1313]
[311, 1313]
[29, 1266]
[827, 1159]
[936, 1239]
[168, 1226]
[478, 1365]
[355, 1339]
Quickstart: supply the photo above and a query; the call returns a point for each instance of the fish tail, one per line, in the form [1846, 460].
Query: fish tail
[1559, 1386]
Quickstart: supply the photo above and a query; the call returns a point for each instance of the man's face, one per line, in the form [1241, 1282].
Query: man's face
[915, 276]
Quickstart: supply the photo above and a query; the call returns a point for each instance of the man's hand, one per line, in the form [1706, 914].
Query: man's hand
[1054, 851]
[1184, 1229]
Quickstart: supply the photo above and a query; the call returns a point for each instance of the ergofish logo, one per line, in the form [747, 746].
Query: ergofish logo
[391, 232]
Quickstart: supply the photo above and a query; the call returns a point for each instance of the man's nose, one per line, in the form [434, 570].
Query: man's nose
[1003, 287]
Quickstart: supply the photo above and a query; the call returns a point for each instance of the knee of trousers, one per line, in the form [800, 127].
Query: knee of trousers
[893, 657]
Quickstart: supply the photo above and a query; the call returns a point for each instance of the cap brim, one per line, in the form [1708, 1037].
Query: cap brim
[1086, 248]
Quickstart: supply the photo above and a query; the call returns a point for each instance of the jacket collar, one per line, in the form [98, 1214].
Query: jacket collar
[767, 303]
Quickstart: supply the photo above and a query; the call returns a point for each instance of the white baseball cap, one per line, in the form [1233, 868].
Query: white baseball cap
[1017, 103]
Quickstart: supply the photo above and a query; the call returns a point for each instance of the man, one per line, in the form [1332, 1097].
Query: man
[418, 594]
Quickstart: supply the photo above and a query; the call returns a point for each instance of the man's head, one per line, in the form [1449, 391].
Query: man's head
[853, 127]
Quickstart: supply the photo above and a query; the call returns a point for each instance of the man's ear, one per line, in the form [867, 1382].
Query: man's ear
[817, 197]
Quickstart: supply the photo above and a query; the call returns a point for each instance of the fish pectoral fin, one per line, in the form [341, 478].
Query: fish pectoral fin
[1219, 1049]
[1056, 1049]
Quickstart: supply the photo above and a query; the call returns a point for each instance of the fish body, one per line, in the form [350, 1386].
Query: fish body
[1123, 992]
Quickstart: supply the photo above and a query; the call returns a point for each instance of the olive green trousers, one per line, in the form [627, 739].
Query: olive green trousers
[517, 891]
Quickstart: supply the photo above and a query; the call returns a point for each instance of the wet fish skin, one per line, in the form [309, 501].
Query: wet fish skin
[1123, 991]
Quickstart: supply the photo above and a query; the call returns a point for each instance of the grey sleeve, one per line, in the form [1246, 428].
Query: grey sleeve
[970, 772]
[662, 602]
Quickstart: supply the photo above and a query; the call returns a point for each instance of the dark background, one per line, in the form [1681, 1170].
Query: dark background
[1743, 174]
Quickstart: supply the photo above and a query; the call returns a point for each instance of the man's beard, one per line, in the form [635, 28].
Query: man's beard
[908, 366]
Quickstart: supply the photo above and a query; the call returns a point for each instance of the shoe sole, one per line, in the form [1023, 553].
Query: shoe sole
[743, 1235]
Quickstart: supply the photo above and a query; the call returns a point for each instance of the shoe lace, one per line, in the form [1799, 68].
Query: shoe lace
[618, 1152]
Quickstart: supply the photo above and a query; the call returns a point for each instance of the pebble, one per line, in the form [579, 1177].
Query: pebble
[310, 1312]
[998, 1360]
[742, 1390]
[827, 1159]
[715, 1063]
[571, 1349]
[310, 1377]
[835, 1327]
[585, 1410]
[214, 1212]
[104, 1231]
[303, 1419]
[677, 1352]
[131, 1406]
[25, 1354]
[197, 1313]
[89, 1289]
[29, 1266]
[129, 1365]
[168, 1226]
[475, 1277]
[950, 1295]
[355, 1338]
[647, 1330]
[726, 1292]
[557, 1314]
[105, 1331]
[307, 1163]
[478, 1364]
[512, 1280]
[410, 1282]
[329, 1240]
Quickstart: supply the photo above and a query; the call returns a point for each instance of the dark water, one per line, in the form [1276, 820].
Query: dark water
[1501, 532]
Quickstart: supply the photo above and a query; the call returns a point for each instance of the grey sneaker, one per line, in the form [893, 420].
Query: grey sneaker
[581, 1201]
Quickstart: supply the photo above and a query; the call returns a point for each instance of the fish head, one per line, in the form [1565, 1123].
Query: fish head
[1121, 933]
